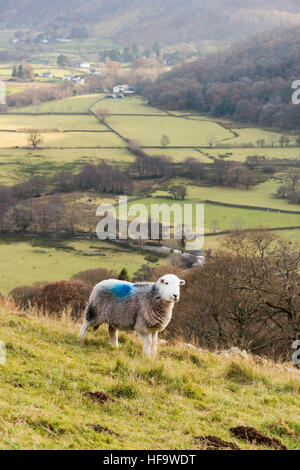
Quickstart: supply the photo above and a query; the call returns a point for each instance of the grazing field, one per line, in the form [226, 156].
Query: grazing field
[261, 195]
[76, 104]
[133, 105]
[16, 165]
[179, 155]
[188, 392]
[254, 134]
[181, 132]
[241, 154]
[227, 218]
[63, 139]
[44, 122]
[26, 261]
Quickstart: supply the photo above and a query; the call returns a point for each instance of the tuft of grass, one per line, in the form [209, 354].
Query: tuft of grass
[244, 373]
[125, 389]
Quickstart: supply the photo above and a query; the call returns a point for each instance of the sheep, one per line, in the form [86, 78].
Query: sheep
[145, 307]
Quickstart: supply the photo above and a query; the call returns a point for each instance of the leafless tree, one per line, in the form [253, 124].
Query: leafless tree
[35, 139]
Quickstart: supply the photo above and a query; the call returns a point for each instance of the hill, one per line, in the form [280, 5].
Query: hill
[56, 393]
[249, 83]
[173, 21]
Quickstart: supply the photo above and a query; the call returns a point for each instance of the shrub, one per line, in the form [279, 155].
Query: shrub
[57, 296]
[93, 276]
[25, 296]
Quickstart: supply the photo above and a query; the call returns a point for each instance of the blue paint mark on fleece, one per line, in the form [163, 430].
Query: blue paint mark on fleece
[122, 289]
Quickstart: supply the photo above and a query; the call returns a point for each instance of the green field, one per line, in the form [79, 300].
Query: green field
[228, 218]
[261, 195]
[63, 139]
[160, 404]
[181, 132]
[25, 262]
[241, 154]
[16, 165]
[179, 155]
[133, 105]
[76, 104]
[61, 123]
[253, 134]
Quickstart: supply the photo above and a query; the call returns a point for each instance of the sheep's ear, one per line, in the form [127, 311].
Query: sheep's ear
[181, 282]
[162, 281]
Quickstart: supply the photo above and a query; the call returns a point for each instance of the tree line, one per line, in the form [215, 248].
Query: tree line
[35, 204]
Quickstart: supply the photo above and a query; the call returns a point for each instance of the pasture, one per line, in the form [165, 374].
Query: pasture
[16, 165]
[148, 131]
[133, 105]
[180, 154]
[219, 218]
[253, 134]
[48, 386]
[45, 122]
[261, 195]
[75, 104]
[241, 154]
[63, 139]
[26, 261]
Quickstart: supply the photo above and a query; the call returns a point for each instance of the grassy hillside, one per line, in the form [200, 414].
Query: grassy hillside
[151, 404]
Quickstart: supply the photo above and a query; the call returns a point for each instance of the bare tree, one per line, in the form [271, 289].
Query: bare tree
[102, 113]
[165, 140]
[35, 140]
[211, 140]
[214, 225]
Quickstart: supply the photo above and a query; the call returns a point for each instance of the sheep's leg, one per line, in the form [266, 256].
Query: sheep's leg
[113, 336]
[84, 327]
[147, 339]
[154, 343]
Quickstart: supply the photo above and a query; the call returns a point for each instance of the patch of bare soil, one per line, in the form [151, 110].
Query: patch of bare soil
[254, 436]
[100, 397]
[99, 428]
[215, 443]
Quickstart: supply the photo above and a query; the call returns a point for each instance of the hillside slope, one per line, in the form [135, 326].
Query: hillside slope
[158, 404]
[172, 21]
[249, 83]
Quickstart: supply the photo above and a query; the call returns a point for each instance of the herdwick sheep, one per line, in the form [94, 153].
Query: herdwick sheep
[145, 307]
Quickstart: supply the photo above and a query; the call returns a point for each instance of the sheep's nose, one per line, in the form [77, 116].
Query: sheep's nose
[175, 296]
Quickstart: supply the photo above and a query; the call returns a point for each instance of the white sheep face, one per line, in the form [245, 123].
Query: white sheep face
[169, 287]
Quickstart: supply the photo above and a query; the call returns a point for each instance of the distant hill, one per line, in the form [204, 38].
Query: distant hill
[144, 21]
[249, 83]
